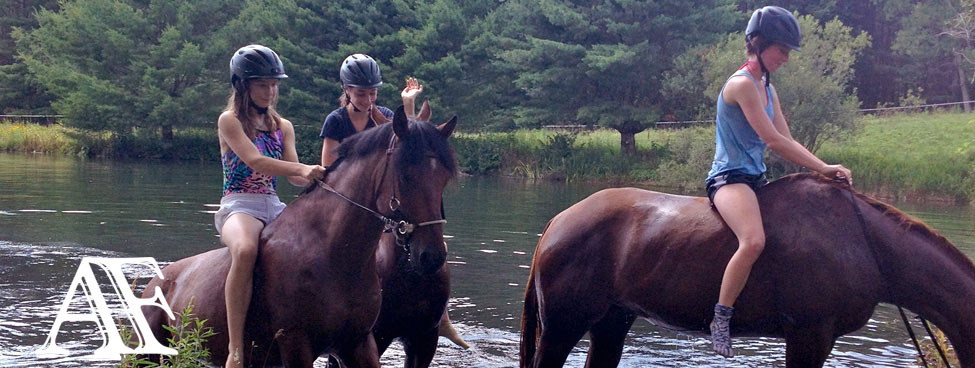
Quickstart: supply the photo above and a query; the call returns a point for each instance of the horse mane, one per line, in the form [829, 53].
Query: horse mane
[906, 221]
[411, 151]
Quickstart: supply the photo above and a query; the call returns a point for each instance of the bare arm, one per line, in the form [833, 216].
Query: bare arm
[328, 151]
[742, 92]
[290, 154]
[413, 89]
[231, 134]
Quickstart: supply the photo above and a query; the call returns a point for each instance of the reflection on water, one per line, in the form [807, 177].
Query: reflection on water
[54, 211]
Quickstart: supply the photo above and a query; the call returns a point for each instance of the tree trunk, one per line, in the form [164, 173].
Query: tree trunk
[628, 131]
[628, 143]
[167, 132]
[963, 83]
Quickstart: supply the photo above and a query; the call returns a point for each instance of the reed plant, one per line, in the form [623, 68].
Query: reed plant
[25, 137]
[931, 354]
[188, 338]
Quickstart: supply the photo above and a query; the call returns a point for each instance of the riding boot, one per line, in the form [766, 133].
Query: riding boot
[720, 331]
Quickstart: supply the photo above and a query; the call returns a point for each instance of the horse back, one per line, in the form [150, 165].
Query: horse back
[634, 248]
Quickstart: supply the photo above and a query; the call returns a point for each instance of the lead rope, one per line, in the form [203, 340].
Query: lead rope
[907, 324]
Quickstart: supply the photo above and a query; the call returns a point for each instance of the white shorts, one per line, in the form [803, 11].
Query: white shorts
[264, 207]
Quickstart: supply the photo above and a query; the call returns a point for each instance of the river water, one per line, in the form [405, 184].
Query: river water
[56, 210]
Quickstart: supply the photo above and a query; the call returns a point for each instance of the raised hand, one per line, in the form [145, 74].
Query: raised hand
[413, 89]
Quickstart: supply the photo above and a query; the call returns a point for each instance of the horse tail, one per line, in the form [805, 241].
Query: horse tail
[530, 326]
[529, 323]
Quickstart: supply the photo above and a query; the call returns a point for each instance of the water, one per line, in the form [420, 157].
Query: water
[54, 211]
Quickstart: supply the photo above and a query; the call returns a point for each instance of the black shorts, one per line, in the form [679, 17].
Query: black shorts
[733, 177]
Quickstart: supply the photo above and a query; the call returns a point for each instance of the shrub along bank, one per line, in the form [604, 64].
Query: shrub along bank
[910, 156]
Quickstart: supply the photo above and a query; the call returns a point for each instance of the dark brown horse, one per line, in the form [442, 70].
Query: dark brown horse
[624, 253]
[316, 288]
[413, 302]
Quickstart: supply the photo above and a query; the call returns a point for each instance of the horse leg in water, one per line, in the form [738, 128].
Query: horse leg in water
[564, 322]
[808, 346]
[362, 354]
[420, 348]
[606, 338]
[296, 351]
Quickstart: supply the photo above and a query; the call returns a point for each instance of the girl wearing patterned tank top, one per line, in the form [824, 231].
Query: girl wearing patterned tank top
[749, 120]
[256, 144]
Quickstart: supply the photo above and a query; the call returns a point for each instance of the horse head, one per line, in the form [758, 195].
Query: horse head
[410, 176]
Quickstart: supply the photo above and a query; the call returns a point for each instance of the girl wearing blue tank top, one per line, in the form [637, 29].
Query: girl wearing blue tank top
[256, 144]
[749, 119]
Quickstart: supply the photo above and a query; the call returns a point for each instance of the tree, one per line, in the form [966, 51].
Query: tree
[929, 52]
[812, 86]
[600, 62]
[20, 92]
[961, 28]
[112, 65]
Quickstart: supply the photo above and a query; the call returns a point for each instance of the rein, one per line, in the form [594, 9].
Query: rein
[397, 224]
[907, 324]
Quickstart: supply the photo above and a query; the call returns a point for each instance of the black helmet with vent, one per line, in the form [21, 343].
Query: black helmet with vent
[775, 24]
[360, 71]
[255, 61]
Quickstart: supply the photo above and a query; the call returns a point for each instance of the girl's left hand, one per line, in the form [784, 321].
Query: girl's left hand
[413, 89]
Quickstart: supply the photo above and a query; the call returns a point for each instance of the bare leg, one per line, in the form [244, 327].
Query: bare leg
[446, 329]
[240, 233]
[738, 206]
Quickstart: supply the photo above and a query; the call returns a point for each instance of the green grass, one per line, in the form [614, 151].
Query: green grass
[904, 155]
[187, 143]
[17, 137]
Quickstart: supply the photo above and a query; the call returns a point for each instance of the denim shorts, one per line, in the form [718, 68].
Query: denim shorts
[734, 177]
[264, 207]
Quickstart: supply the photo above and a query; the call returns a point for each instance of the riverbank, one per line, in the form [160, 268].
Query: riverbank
[924, 156]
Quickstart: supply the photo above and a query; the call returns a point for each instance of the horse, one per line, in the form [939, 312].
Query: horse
[316, 287]
[414, 304]
[831, 255]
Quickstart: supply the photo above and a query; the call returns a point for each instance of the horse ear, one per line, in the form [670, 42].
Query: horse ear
[446, 129]
[424, 111]
[400, 123]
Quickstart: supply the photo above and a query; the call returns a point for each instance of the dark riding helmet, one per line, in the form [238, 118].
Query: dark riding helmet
[255, 61]
[360, 71]
[775, 24]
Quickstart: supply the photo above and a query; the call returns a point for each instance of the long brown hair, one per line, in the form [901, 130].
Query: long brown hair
[239, 103]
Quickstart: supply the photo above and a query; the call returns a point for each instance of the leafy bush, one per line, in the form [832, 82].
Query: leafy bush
[188, 338]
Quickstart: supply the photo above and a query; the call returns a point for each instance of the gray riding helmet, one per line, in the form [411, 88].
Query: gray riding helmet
[360, 71]
[776, 25]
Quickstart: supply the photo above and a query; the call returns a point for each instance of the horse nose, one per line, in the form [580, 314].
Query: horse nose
[431, 261]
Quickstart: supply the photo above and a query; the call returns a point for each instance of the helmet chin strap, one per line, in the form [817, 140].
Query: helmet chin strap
[768, 75]
[260, 110]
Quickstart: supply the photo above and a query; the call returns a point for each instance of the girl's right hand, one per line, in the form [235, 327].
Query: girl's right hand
[413, 89]
[838, 172]
[313, 172]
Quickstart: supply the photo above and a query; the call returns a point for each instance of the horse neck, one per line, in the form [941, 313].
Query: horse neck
[927, 275]
[353, 231]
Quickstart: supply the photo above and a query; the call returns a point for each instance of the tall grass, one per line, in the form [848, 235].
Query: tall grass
[911, 154]
[920, 155]
[23, 137]
[187, 143]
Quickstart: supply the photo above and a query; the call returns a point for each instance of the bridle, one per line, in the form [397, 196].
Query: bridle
[397, 223]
